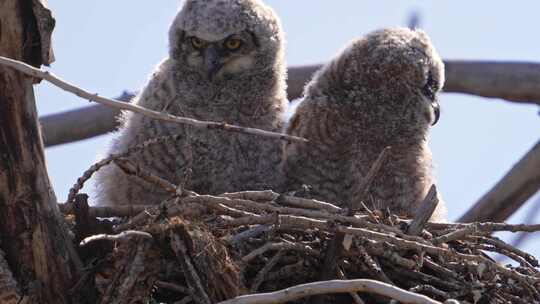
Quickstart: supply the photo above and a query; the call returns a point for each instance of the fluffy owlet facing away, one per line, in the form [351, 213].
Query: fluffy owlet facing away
[225, 64]
[380, 91]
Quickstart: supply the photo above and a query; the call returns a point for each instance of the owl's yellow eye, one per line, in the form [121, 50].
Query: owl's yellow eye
[233, 44]
[197, 43]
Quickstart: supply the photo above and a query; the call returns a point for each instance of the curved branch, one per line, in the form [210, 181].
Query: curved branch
[334, 286]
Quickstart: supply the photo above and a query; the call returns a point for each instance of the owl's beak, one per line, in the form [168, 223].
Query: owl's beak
[436, 110]
[212, 61]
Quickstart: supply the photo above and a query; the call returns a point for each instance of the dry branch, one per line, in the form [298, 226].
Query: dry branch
[194, 282]
[334, 286]
[445, 262]
[510, 193]
[427, 207]
[132, 284]
[513, 81]
[124, 235]
[37, 73]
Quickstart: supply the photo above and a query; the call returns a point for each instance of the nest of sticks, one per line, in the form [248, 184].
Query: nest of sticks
[266, 247]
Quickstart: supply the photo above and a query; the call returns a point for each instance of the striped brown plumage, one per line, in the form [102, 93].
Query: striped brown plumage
[379, 91]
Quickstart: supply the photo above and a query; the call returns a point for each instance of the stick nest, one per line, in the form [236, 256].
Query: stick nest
[206, 249]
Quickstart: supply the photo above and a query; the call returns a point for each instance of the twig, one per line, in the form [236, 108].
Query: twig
[510, 193]
[484, 227]
[37, 73]
[297, 268]
[334, 286]
[173, 287]
[305, 203]
[373, 266]
[250, 233]
[388, 252]
[513, 81]
[108, 211]
[359, 193]
[455, 235]
[264, 271]
[106, 161]
[427, 207]
[501, 244]
[190, 273]
[269, 195]
[129, 168]
[428, 263]
[125, 235]
[354, 295]
[128, 283]
[279, 246]
[520, 238]
[264, 195]
[428, 288]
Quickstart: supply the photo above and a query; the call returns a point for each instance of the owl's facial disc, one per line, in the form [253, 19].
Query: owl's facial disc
[228, 56]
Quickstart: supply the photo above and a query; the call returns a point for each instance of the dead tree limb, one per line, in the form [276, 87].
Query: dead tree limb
[34, 239]
[90, 121]
[510, 193]
[513, 81]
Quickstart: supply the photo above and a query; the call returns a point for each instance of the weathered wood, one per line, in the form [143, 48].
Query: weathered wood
[84, 123]
[37, 248]
[9, 289]
[427, 207]
[510, 193]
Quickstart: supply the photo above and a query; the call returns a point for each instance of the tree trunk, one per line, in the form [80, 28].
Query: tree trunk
[37, 248]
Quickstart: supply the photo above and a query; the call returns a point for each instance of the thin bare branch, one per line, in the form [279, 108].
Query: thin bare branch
[531, 216]
[192, 277]
[40, 74]
[513, 81]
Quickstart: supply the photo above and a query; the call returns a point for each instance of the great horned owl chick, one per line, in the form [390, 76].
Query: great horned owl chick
[380, 91]
[225, 64]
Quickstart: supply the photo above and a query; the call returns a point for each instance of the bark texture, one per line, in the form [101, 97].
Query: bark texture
[36, 246]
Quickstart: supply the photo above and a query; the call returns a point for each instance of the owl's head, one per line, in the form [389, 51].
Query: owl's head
[392, 75]
[222, 39]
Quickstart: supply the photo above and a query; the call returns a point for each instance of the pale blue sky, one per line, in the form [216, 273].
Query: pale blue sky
[109, 46]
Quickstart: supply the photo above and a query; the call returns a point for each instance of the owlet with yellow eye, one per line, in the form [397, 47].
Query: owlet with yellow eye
[225, 64]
